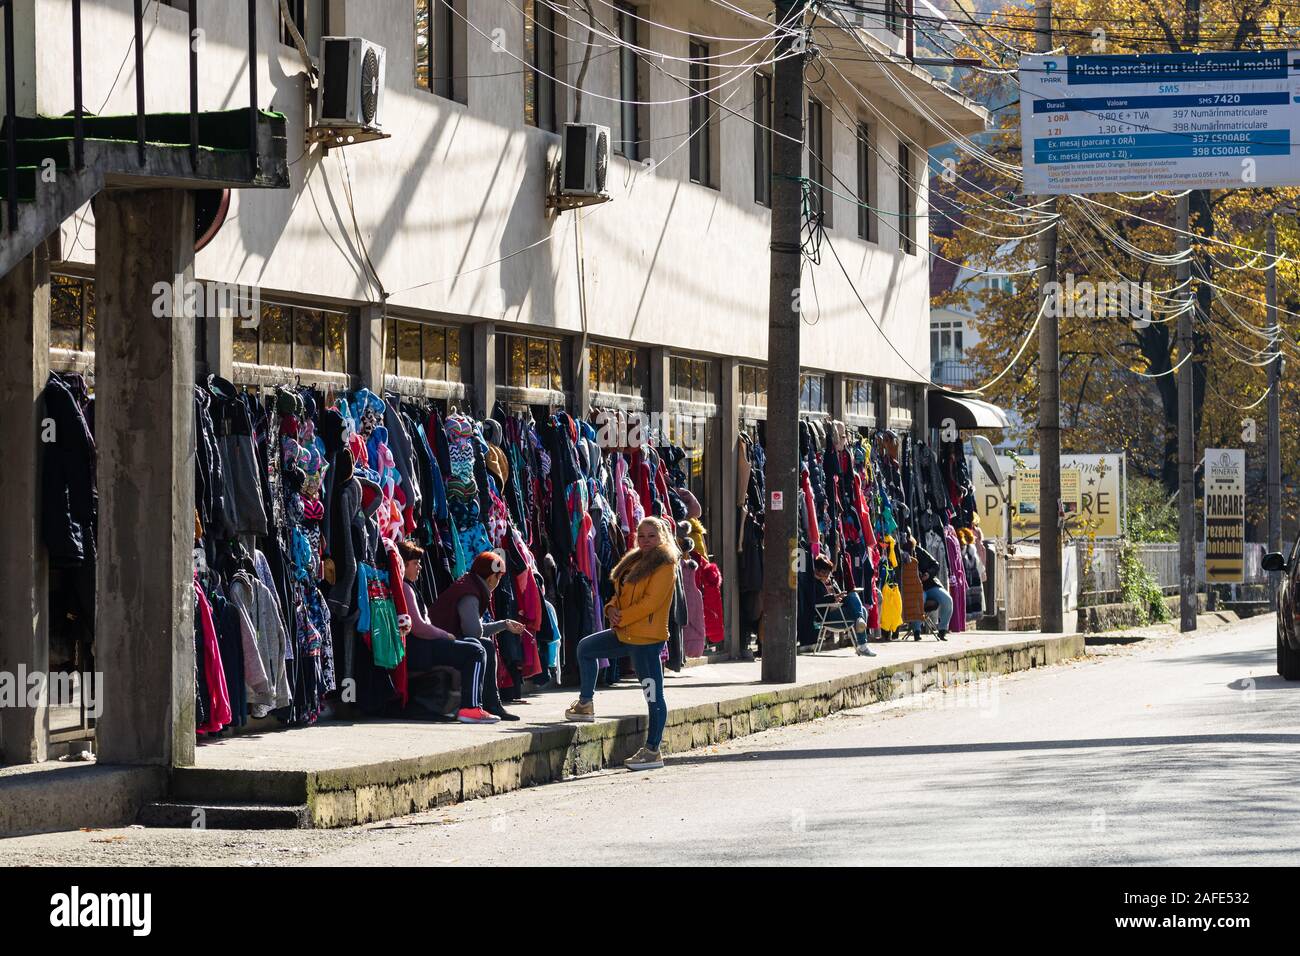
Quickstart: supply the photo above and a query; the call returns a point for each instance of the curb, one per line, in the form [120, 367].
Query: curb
[371, 792]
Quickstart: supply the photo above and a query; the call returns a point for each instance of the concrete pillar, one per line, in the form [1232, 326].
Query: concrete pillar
[580, 375]
[660, 377]
[219, 344]
[835, 383]
[24, 600]
[728, 530]
[145, 435]
[370, 348]
[485, 366]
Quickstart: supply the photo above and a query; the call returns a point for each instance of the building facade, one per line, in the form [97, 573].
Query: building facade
[429, 262]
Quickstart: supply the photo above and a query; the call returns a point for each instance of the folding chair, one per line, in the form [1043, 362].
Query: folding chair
[837, 627]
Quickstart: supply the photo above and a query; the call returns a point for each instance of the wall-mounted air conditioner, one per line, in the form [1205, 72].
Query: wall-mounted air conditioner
[352, 83]
[584, 164]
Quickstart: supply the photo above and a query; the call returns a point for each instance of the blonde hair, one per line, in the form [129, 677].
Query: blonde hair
[640, 563]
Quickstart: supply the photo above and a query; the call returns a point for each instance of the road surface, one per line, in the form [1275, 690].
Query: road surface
[1174, 751]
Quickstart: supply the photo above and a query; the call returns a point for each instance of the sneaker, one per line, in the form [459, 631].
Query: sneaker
[644, 759]
[503, 714]
[581, 711]
[475, 715]
[864, 651]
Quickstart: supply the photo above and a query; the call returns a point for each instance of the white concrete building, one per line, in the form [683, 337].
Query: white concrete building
[428, 261]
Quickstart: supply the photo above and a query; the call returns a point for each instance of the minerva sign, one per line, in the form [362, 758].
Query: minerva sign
[1138, 122]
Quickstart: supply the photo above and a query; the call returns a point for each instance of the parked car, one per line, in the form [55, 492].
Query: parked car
[1288, 610]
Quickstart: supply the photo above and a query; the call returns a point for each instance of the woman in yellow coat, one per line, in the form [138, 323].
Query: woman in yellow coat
[638, 615]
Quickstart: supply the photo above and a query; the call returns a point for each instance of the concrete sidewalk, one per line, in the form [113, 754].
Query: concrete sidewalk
[340, 773]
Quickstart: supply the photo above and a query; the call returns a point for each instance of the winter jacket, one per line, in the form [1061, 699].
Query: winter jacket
[244, 511]
[257, 601]
[69, 499]
[644, 607]
[694, 635]
[709, 580]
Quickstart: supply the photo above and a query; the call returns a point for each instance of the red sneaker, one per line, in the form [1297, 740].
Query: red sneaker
[475, 715]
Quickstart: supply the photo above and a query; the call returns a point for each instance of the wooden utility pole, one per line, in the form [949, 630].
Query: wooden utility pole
[1186, 384]
[1051, 615]
[1274, 401]
[781, 527]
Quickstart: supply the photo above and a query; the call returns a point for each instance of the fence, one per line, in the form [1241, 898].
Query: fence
[1099, 577]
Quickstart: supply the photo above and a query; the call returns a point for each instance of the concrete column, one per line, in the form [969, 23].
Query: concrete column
[219, 344]
[883, 415]
[145, 435]
[370, 346]
[660, 366]
[485, 366]
[835, 383]
[728, 530]
[580, 372]
[24, 599]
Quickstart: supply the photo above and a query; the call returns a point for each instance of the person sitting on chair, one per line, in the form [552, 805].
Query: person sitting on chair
[848, 610]
[933, 590]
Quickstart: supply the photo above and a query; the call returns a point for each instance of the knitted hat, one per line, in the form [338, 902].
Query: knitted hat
[488, 563]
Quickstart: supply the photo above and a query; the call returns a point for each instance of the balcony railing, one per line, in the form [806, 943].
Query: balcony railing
[954, 373]
[79, 111]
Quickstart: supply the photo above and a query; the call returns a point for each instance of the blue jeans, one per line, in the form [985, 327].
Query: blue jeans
[649, 671]
[935, 592]
[847, 614]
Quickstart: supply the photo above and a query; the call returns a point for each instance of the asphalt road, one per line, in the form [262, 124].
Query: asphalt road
[1174, 751]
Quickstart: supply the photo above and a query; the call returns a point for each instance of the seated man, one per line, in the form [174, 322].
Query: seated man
[848, 611]
[428, 646]
[934, 591]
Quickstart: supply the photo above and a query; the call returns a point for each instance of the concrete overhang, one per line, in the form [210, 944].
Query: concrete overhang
[950, 111]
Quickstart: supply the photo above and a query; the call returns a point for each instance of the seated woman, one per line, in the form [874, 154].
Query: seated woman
[933, 590]
[459, 610]
[644, 580]
[848, 610]
[428, 646]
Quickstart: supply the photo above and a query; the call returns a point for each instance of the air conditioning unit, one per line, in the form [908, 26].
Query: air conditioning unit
[584, 163]
[352, 83]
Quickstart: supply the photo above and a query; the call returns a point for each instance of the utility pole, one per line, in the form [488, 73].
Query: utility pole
[1274, 402]
[781, 526]
[1049, 402]
[1186, 434]
[1186, 384]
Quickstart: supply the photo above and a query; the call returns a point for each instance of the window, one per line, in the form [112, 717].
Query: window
[311, 17]
[946, 341]
[812, 392]
[72, 313]
[906, 201]
[860, 398]
[628, 138]
[867, 222]
[902, 399]
[615, 371]
[703, 131]
[532, 362]
[691, 380]
[440, 48]
[894, 17]
[821, 191]
[292, 337]
[541, 43]
[424, 351]
[762, 139]
[753, 386]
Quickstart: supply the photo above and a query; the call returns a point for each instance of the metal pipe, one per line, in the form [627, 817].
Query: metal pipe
[78, 100]
[139, 80]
